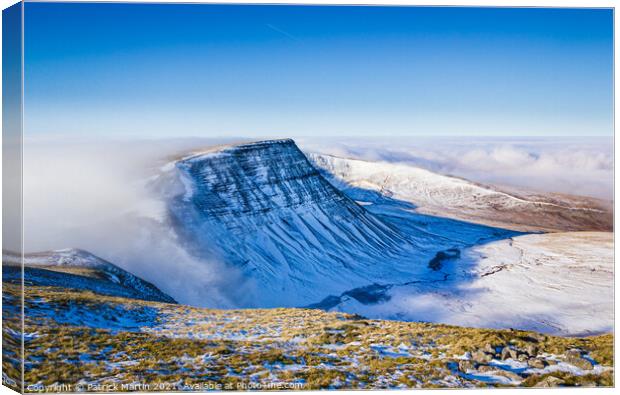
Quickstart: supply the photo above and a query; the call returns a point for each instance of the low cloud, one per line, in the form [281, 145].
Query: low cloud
[96, 196]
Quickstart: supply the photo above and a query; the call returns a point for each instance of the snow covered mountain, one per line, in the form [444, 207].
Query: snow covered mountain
[446, 196]
[265, 208]
[78, 269]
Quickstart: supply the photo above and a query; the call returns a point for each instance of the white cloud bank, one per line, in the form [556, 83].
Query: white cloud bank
[96, 196]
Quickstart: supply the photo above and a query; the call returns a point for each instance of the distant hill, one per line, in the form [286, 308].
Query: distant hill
[78, 269]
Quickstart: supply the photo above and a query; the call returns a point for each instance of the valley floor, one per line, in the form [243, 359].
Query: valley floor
[556, 283]
[78, 340]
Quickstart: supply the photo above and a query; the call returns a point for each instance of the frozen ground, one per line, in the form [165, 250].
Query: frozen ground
[79, 337]
[560, 283]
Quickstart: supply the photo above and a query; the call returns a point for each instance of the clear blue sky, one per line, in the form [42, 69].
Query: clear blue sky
[149, 70]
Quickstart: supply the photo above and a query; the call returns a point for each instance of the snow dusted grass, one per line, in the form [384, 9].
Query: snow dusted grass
[179, 347]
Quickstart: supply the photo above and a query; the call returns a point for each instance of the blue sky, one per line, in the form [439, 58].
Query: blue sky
[148, 70]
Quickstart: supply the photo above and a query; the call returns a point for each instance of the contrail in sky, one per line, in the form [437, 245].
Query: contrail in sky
[274, 28]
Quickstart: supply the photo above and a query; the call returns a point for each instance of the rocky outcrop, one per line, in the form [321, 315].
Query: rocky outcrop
[575, 357]
[525, 361]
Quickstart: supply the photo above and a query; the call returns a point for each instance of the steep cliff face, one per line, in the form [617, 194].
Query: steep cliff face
[263, 179]
[265, 208]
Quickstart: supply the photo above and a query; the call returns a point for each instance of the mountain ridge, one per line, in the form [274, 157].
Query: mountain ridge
[79, 269]
[459, 198]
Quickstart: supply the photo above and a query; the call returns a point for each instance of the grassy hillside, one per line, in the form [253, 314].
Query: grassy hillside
[87, 341]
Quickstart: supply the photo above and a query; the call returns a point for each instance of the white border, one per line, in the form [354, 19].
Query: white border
[484, 3]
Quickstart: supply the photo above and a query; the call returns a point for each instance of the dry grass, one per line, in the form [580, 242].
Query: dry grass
[318, 350]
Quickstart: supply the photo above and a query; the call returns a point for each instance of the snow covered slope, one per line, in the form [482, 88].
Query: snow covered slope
[263, 207]
[78, 269]
[558, 283]
[457, 198]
